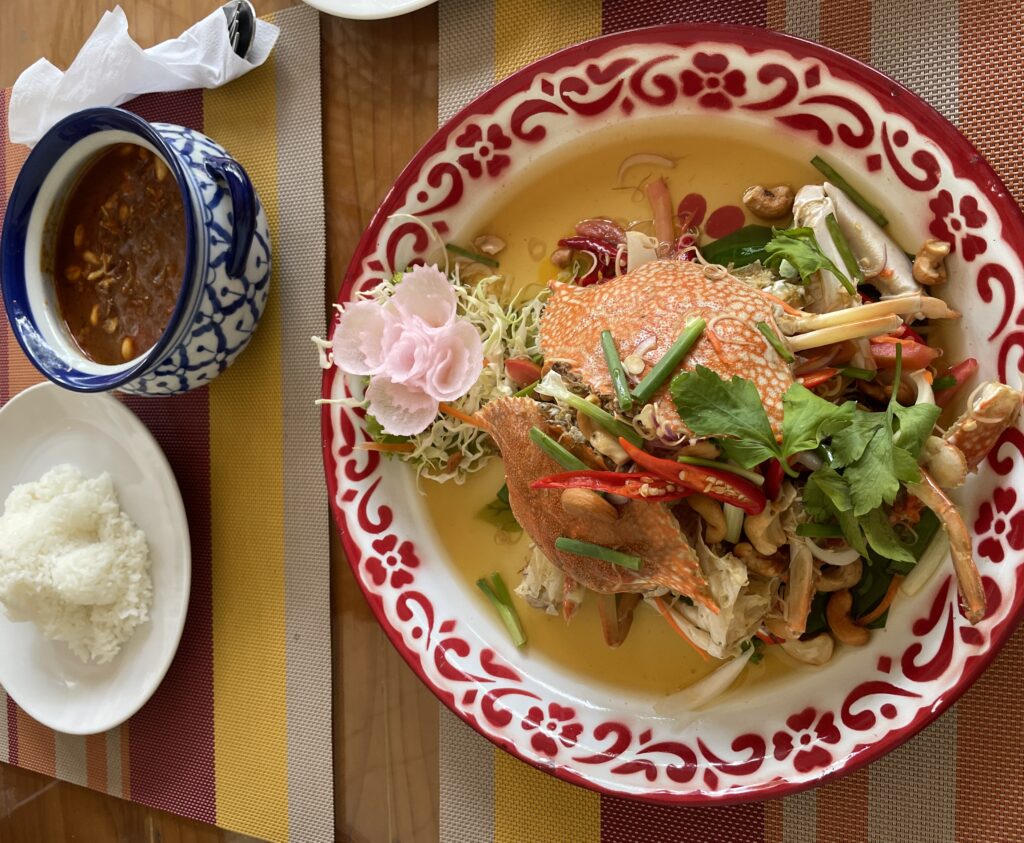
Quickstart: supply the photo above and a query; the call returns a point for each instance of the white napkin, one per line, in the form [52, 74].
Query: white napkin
[111, 69]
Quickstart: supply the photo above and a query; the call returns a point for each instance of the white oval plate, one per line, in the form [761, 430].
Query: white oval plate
[368, 9]
[45, 426]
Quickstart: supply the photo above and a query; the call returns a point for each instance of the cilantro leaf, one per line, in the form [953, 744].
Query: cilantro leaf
[915, 426]
[804, 417]
[883, 538]
[711, 406]
[799, 247]
[850, 441]
[827, 497]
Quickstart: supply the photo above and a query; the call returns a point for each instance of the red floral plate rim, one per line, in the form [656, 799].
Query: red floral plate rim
[967, 164]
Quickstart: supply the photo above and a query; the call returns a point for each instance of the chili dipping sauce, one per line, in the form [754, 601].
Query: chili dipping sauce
[119, 254]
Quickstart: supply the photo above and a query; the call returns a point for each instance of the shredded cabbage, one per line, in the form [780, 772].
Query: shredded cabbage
[508, 326]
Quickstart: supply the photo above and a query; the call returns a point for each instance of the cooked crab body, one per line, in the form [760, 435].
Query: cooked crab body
[646, 311]
[644, 529]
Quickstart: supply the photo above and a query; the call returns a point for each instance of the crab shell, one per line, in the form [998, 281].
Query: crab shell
[645, 529]
[648, 309]
[992, 409]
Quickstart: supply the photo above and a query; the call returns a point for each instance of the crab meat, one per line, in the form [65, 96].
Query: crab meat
[644, 529]
[825, 292]
[991, 409]
[647, 309]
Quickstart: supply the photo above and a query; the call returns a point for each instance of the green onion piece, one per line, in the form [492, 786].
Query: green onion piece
[557, 452]
[473, 256]
[752, 476]
[604, 418]
[829, 172]
[775, 342]
[645, 390]
[856, 273]
[819, 531]
[858, 374]
[945, 382]
[526, 390]
[619, 382]
[596, 551]
[506, 611]
[501, 589]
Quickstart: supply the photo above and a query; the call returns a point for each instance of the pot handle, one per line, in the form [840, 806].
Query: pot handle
[243, 202]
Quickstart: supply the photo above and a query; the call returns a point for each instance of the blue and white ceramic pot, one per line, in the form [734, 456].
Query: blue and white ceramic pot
[227, 261]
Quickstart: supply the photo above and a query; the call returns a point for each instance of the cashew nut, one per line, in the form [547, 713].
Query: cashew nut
[930, 263]
[586, 503]
[488, 244]
[769, 203]
[714, 518]
[764, 531]
[836, 577]
[816, 650]
[840, 621]
[771, 566]
[704, 449]
[561, 258]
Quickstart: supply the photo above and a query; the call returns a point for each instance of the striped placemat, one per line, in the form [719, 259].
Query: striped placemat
[239, 733]
[958, 780]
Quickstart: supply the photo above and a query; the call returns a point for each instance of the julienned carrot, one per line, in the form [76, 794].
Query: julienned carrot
[455, 412]
[387, 447]
[666, 613]
[792, 311]
[881, 608]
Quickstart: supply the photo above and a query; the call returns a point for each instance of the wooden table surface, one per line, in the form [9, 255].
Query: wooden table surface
[379, 105]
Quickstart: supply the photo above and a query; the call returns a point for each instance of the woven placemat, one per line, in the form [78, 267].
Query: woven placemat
[959, 779]
[239, 733]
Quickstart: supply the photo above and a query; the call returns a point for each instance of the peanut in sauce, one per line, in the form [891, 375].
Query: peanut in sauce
[119, 254]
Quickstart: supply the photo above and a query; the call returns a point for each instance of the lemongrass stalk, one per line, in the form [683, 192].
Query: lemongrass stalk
[931, 307]
[840, 333]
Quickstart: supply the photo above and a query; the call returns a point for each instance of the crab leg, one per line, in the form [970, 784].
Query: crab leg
[968, 579]
[993, 408]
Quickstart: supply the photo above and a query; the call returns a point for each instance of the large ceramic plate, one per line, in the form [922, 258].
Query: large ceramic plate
[866, 701]
[45, 426]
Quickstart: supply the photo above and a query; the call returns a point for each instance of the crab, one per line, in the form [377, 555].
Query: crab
[646, 530]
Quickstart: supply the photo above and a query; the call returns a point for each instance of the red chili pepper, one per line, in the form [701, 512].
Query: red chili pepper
[773, 475]
[813, 379]
[522, 371]
[604, 251]
[636, 486]
[720, 485]
[963, 372]
[915, 355]
[905, 332]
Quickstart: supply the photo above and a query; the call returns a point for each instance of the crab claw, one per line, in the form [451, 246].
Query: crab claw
[991, 409]
[879, 256]
[811, 207]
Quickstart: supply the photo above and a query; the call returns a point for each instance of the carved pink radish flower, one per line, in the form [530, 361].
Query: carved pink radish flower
[414, 349]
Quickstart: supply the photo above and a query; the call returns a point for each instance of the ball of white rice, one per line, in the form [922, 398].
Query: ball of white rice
[73, 563]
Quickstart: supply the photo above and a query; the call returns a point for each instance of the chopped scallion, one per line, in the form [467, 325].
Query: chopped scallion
[663, 369]
[829, 172]
[618, 374]
[472, 256]
[526, 390]
[849, 261]
[596, 551]
[498, 594]
[945, 382]
[858, 374]
[819, 531]
[775, 342]
[752, 476]
[557, 452]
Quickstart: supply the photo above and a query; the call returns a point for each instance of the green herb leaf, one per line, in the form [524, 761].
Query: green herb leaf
[376, 431]
[741, 248]
[800, 248]
[498, 513]
[945, 382]
[915, 426]
[882, 537]
[803, 416]
[710, 406]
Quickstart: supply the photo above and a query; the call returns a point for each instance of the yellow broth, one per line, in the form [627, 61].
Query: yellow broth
[543, 206]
